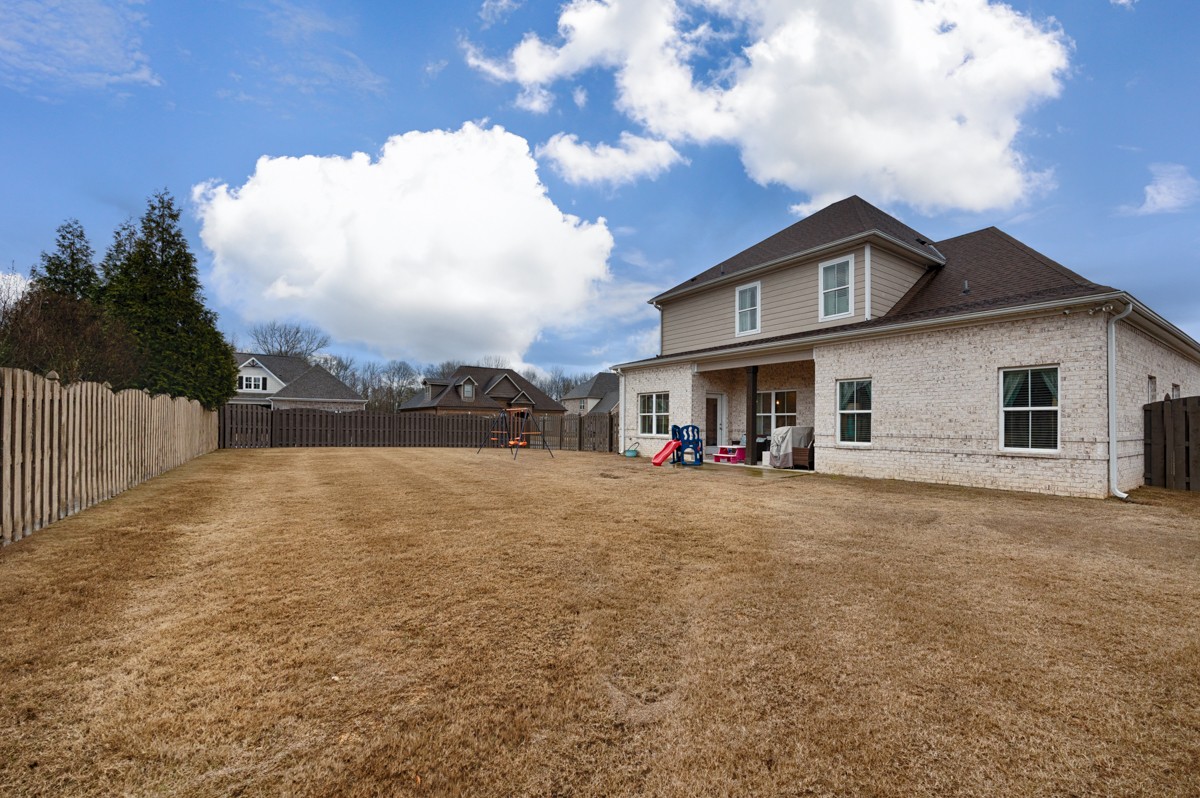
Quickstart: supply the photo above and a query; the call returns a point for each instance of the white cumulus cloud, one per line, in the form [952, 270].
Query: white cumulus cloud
[444, 246]
[904, 101]
[1171, 190]
[633, 158]
[88, 44]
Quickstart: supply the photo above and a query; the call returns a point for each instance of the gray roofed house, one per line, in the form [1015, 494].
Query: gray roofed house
[600, 394]
[480, 389]
[283, 382]
[975, 360]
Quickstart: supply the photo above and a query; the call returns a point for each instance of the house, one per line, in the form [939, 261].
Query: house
[283, 382]
[600, 394]
[477, 389]
[972, 361]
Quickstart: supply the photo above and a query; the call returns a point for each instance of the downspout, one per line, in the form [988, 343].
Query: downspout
[621, 412]
[1112, 403]
[867, 280]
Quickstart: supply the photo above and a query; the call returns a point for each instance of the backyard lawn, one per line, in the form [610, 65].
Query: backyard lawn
[396, 621]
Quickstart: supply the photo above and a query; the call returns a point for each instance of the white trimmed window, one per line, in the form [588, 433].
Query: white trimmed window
[468, 391]
[837, 288]
[654, 413]
[583, 405]
[854, 411]
[1029, 406]
[748, 316]
[1174, 391]
[252, 383]
[1151, 388]
[774, 409]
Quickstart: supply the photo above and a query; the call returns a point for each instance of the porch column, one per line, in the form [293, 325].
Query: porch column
[751, 398]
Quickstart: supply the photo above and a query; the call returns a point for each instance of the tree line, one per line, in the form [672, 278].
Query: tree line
[387, 384]
[136, 319]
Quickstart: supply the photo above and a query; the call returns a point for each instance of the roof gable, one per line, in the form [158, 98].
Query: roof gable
[842, 221]
[285, 368]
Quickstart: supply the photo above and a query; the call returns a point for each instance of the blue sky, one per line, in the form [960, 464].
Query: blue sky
[531, 173]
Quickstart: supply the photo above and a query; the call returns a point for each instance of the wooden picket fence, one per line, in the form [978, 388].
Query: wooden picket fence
[253, 427]
[65, 448]
[1172, 443]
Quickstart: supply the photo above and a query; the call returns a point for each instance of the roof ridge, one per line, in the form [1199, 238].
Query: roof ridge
[1053, 264]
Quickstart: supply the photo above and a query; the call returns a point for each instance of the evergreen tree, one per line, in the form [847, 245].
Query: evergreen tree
[154, 287]
[69, 270]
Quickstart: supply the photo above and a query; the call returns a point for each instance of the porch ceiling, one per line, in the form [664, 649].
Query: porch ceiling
[765, 359]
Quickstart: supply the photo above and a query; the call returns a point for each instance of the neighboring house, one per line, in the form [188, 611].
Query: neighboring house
[476, 389]
[281, 382]
[972, 361]
[600, 394]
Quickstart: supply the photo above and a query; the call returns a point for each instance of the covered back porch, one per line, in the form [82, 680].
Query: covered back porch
[731, 398]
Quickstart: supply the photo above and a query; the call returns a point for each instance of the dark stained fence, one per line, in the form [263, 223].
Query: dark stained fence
[1172, 443]
[246, 427]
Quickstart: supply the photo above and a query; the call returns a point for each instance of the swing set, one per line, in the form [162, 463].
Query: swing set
[514, 427]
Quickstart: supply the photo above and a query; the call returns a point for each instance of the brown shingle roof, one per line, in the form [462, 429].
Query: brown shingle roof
[844, 219]
[485, 379]
[1000, 272]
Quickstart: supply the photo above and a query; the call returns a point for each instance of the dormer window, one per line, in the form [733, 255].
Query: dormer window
[748, 317]
[428, 392]
[252, 383]
[837, 288]
[468, 391]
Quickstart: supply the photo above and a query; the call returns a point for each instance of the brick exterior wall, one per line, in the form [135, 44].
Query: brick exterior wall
[1138, 357]
[936, 402]
[689, 390]
[936, 405]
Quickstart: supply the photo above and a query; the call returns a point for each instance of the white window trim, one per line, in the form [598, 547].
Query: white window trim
[468, 391]
[821, 283]
[1057, 409]
[248, 377]
[838, 411]
[737, 310]
[651, 415]
[772, 414]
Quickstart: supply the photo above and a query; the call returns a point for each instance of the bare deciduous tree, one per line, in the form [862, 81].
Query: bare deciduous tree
[288, 338]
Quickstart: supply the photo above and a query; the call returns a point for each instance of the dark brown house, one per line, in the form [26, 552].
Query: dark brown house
[479, 390]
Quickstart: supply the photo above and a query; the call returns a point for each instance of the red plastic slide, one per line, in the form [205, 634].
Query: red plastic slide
[662, 456]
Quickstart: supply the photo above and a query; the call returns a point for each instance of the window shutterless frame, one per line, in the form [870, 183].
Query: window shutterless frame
[654, 414]
[747, 309]
[1029, 410]
[854, 402]
[836, 278]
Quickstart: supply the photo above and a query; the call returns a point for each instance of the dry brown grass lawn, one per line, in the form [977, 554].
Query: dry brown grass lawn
[377, 622]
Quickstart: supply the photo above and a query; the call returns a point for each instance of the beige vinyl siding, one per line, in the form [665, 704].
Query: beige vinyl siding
[891, 277]
[789, 304]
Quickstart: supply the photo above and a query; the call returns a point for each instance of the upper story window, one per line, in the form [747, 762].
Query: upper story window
[582, 405]
[252, 383]
[1029, 402]
[1151, 388]
[748, 320]
[837, 288]
[468, 391]
[1174, 391]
